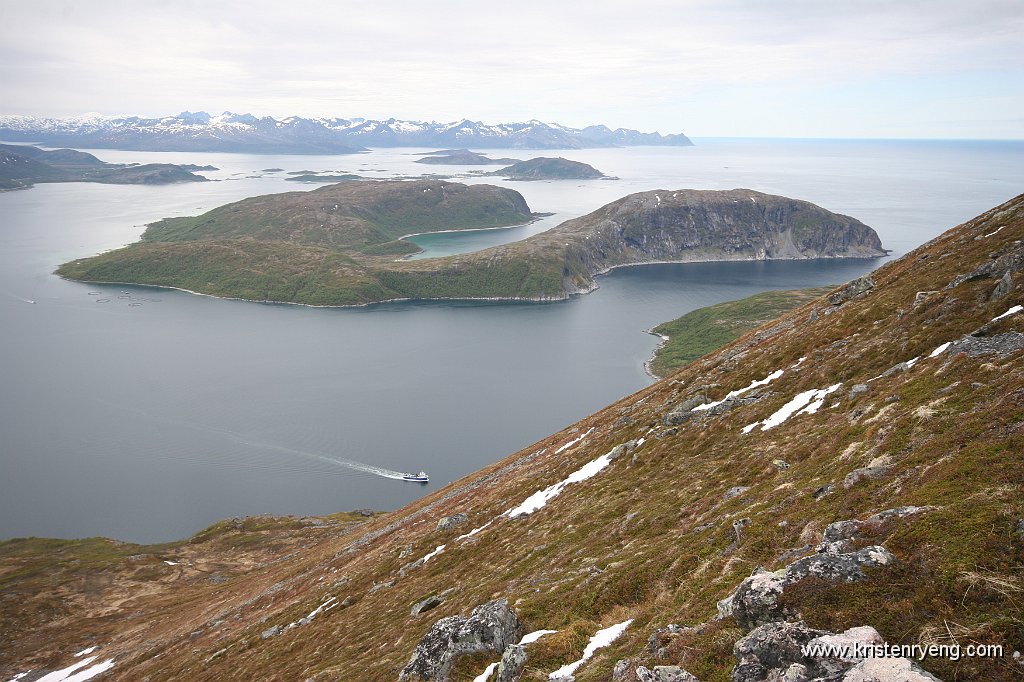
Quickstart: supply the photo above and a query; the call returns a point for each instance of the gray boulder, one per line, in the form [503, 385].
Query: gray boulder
[776, 652]
[449, 522]
[1006, 264]
[1000, 344]
[838, 536]
[771, 647]
[888, 670]
[664, 673]
[490, 628]
[855, 289]
[757, 599]
[513, 660]
[431, 602]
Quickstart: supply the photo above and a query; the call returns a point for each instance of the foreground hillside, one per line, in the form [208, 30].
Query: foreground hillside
[338, 245]
[853, 467]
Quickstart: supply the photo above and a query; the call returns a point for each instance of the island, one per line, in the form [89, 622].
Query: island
[462, 157]
[21, 166]
[545, 168]
[343, 244]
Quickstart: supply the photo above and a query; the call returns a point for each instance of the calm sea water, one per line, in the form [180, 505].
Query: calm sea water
[154, 413]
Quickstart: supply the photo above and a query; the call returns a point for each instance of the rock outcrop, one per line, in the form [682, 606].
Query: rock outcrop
[793, 652]
[490, 628]
[757, 600]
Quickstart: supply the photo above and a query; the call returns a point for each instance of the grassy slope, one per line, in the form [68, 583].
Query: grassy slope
[701, 331]
[651, 536]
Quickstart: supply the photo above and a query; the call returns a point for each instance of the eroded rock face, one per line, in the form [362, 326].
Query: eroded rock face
[490, 628]
[757, 599]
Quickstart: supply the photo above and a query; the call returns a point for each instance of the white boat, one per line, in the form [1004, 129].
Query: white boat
[421, 477]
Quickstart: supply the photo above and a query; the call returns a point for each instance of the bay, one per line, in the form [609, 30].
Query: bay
[154, 413]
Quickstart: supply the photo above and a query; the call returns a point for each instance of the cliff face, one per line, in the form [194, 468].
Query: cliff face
[847, 473]
[692, 225]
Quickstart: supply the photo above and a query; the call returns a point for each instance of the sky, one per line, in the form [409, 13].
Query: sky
[746, 68]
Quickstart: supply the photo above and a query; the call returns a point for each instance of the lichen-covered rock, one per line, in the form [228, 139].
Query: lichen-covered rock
[888, 670]
[771, 647]
[449, 522]
[683, 412]
[513, 660]
[793, 652]
[664, 673]
[621, 669]
[735, 491]
[757, 599]
[662, 637]
[490, 628]
[433, 601]
[1000, 344]
[1008, 263]
[865, 473]
[855, 289]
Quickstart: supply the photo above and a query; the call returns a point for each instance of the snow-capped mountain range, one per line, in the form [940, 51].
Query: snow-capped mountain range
[228, 132]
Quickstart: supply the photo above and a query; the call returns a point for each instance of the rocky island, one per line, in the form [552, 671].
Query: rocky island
[462, 157]
[848, 474]
[338, 245]
[544, 168]
[21, 166]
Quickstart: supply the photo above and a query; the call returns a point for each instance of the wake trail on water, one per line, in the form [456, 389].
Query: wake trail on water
[262, 445]
[339, 461]
[18, 298]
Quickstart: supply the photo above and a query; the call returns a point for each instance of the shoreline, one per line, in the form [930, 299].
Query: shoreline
[663, 339]
[536, 217]
[511, 299]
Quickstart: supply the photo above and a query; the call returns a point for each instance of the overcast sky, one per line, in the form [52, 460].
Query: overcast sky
[793, 68]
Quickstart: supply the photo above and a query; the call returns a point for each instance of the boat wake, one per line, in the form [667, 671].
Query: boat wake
[339, 461]
[342, 462]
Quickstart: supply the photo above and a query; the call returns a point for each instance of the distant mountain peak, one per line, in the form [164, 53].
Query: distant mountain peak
[231, 132]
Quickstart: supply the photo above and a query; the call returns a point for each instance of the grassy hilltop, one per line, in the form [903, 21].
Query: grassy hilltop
[855, 463]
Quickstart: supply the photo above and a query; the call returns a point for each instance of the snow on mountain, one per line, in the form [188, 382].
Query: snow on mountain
[230, 132]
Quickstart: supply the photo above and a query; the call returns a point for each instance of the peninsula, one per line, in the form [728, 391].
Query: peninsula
[341, 244]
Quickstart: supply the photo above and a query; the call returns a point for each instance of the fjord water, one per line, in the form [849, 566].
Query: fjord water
[154, 413]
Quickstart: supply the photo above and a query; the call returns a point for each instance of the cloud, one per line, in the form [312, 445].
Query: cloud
[575, 62]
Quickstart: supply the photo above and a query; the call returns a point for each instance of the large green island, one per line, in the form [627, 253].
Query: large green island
[343, 244]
